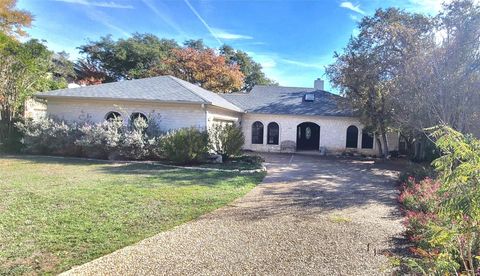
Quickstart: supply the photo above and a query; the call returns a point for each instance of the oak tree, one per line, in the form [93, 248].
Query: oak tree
[367, 70]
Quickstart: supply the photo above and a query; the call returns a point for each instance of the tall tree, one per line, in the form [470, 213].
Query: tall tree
[366, 72]
[12, 20]
[90, 73]
[129, 58]
[196, 44]
[63, 67]
[204, 68]
[441, 84]
[251, 70]
[25, 68]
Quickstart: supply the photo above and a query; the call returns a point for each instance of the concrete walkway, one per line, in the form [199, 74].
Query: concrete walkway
[310, 216]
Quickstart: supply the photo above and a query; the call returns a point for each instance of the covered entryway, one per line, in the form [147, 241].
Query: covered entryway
[308, 136]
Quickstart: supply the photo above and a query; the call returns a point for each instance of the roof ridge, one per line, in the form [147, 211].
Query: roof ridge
[281, 86]
[179, 81]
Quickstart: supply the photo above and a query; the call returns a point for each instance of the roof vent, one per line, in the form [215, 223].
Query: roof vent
[309, 97]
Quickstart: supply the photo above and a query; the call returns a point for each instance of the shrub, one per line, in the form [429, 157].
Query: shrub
[227, 140]
[112, 140]
[185, 146]
[48, 136]
[417, 171]
[444, 220]
[421, 196]
[10, 137]
[101, 140]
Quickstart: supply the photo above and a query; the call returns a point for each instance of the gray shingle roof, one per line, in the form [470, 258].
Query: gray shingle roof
[162, 89]
[290, 100]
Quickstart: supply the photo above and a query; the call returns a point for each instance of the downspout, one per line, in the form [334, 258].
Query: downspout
[204, 107]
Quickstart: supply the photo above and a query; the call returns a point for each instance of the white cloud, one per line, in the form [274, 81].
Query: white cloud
[302, 63]
[266, 60]
[102, 4]
[355, 18]
[355, 32]
[229, 36]
[167, 19]
[210, 30]
[105, 20]
[430, 6]
[427, 6]
[352, 7]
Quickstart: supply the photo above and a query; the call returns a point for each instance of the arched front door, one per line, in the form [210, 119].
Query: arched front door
[308, 136]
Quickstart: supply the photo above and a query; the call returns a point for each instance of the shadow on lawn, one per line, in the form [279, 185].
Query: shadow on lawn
[52, 160]
[181, 177]
[152, 173]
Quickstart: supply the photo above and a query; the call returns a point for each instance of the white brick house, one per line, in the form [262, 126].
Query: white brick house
[273, 118]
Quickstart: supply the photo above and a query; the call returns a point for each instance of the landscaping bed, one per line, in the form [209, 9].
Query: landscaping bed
[61, 212]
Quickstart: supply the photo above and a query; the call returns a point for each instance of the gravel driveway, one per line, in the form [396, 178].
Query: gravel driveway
[311, 216]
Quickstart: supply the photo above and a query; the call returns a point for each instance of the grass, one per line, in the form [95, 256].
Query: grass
[246, 162]
[56, 213]
[339, 219]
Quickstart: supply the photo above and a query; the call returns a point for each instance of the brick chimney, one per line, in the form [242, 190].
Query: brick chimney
[318, 84]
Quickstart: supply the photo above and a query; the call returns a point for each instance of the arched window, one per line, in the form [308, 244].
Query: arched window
[257, 133]
[138, 115]
[367, 140]
[272, 133]
[113, 115]
[352, 137]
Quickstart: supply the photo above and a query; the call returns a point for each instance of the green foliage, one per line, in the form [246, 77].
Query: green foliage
[63, 212]
[185, 146]
[444, 221]
[459, 170]
[129, 58]
[250, 69]
[367, 71]
[10, 137]
[417, 171]
[227, 140]
[25, 68]
[146, 55]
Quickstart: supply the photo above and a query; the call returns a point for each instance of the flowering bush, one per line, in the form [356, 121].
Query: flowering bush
[420, 196]
[443, 216]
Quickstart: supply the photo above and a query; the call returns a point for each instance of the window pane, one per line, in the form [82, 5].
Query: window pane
[257, 133]
[367, 140]
[273, 133]
[352, 137]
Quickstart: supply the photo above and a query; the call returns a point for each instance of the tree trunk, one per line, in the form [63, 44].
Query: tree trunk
[384, 141]
[385, 145]
[380, 149]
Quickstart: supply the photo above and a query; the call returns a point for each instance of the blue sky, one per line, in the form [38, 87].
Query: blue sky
[293, 39]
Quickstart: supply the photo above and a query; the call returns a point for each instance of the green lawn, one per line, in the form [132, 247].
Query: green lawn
[56, 213]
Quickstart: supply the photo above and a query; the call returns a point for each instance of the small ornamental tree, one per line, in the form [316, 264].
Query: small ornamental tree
[227, 140]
